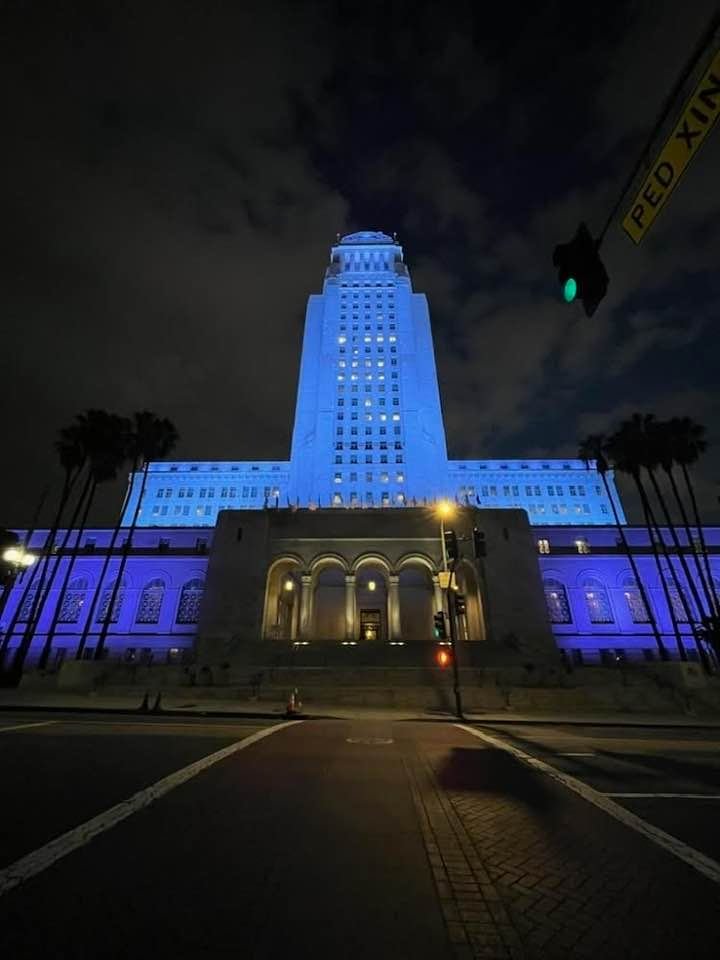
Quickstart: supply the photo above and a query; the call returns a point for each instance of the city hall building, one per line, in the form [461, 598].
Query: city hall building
[339, 548]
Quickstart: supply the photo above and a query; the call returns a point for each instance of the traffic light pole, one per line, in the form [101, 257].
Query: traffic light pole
[453, 647]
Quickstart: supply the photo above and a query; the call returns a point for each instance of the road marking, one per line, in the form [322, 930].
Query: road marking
[664, 796]
[576, 754]
[706, 865]
[24, 726]
[44, 857]
[372, 741]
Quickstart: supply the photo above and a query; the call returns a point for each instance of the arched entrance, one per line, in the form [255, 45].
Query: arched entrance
[371, 603]
[328, 618]
[471, 624]
[281, 620]
[417, 601]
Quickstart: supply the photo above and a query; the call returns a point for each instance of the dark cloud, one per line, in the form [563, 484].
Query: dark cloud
[175, 172]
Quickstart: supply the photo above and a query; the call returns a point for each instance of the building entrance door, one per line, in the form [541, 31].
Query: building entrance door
[369, 625]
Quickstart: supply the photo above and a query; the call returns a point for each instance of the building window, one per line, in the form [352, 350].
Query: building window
[73, 601]
[543, 546]
[556, 599]
[582, 545]
[151, 600]
[190, 600]
[597, 601]
[105, 604]
[638, 610]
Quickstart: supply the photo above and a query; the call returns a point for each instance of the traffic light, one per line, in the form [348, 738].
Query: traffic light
[459, 603]
[479, 543]
[443, 658]
[581, 272]
[439, 626]
[451, 545]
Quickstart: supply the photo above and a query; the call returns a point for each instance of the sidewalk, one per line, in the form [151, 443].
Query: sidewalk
[194, 705]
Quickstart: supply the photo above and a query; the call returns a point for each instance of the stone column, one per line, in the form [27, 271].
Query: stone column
[305, 606]
[394, 630]
[350, 607]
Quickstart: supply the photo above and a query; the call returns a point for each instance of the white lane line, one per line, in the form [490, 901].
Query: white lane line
[706, 865]
[664, 796]
[24, 726]
[44, 857]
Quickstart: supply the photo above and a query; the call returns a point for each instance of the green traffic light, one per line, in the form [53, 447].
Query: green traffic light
[570, 290]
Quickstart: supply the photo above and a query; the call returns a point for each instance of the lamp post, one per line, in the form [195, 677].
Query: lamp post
[445, 510]
[18, 560]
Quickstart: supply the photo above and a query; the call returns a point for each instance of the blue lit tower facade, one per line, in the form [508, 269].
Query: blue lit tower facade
[368, 424]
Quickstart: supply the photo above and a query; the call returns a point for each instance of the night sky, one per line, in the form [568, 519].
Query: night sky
[174, 174]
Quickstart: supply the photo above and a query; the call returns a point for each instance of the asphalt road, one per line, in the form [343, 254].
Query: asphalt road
[350, 839]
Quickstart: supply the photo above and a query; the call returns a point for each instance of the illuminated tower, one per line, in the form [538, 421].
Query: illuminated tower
[368, 424]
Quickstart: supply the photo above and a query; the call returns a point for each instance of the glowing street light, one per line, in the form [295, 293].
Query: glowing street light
[19, 557]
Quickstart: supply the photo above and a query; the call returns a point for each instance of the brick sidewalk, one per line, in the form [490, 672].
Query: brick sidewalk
[524, 868]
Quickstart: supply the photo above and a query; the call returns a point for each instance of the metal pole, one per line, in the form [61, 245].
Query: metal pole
[442, 542]
[453, 647]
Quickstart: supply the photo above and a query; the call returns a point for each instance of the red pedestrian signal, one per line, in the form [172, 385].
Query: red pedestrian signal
[443, 658]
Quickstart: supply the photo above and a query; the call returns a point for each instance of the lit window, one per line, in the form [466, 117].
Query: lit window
[556, 600]
[582, 546]
[342, 339]
[543, 546]
[634, 600]
[338, 478]
[151, 600]
[396, 416]
[190, 600]
[598, 602]
[400, 478]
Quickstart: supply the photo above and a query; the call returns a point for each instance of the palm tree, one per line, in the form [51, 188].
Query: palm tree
[152, 439]
[624, 449]
[661, 437]
[71, 454]
[636, 444]
[688, 443]
[106, 445]
[592, 451]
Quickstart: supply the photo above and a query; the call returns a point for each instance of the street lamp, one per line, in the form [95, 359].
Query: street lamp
[445, 509]
[18, 560]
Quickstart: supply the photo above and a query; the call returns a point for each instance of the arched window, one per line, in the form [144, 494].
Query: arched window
[633, 598]
[678, 607]
[557, 602]
[597, 601]
[190, 599]
[73, 600]
[636, 606]
[28, 602]
[105, 603]
[151, 600]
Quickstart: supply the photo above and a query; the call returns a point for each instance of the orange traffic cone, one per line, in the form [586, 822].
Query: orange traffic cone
[294, 705]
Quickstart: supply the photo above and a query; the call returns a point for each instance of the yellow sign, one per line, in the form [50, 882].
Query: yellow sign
[696, 121]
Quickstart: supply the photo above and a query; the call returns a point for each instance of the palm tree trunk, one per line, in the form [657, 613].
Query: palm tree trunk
[103, 573]
[709, 599]
[654, 535]
[47, 646]
[102, 639]
[35, 618]
[19, 658]
[662, 650]
[678, 546]
[682, 597]
[701, 535]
